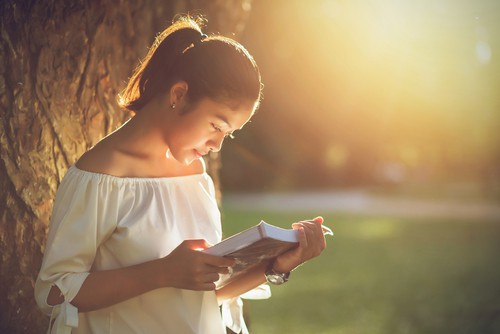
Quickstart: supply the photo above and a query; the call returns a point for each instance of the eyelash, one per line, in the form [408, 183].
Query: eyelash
[219, 129]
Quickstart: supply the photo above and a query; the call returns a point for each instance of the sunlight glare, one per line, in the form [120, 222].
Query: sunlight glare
[483, 52]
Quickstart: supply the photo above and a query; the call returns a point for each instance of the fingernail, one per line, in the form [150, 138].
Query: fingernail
[320, 219]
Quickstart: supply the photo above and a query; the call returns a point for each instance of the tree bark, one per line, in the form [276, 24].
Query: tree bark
[62, 64]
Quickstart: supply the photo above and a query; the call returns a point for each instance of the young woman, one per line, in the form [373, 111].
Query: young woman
[130, 216]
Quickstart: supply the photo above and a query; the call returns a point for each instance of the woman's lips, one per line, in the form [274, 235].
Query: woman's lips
[199, 154]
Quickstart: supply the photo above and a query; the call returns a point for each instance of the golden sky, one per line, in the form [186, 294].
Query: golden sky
[400, 80]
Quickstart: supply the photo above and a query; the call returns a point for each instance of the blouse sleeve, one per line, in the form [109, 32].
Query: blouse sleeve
[85, 213]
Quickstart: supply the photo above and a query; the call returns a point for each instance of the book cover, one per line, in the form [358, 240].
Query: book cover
[249, 248]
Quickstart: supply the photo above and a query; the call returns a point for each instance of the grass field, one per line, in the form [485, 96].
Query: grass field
[385, 275]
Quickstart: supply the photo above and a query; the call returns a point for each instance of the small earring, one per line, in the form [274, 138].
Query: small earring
[172, 106]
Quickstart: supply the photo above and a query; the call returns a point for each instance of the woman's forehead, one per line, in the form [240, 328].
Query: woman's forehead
[235, 115]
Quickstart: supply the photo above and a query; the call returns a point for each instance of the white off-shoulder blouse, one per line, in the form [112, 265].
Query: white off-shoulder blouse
[102, 222]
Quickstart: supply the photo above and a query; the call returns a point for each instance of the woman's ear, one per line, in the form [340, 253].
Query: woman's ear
[178, 92]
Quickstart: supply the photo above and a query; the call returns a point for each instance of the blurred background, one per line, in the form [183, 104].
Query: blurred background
[384, 117]
[392, 93]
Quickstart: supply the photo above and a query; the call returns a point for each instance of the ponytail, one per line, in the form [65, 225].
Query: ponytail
[216, 67]
[148, 78]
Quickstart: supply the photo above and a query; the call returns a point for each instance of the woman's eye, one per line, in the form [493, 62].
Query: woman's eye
[219, 129]
[216, 128]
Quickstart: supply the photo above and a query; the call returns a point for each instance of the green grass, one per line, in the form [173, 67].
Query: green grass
[385, 275]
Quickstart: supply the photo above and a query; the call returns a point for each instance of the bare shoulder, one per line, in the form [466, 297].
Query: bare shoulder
[99, 159]
[105, 158]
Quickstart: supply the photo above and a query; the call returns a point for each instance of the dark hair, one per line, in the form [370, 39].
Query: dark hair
[216, 67]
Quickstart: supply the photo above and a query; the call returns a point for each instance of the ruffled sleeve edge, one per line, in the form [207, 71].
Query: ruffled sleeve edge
[232, 309]
[63, 316]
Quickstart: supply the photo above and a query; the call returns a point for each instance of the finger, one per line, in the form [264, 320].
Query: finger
[315, 237]
[302, 237]
[209, 286]
[319, 234]
[315, 225]
[222, 270]
[303, 226]
[319, 219]
[315, 221]
[311, 233]
[210, 277]
[218, 270]
[218, 261]
[197, 244]
[320, 240]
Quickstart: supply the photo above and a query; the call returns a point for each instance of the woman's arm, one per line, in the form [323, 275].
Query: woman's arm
[311, 244]
[106, 288]
[244, 283]
[184, 268]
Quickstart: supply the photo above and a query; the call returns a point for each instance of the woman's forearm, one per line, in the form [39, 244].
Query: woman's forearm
[244, 283]
[184, 268]
[109, 287]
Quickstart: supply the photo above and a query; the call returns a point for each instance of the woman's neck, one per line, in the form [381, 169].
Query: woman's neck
[143, 135]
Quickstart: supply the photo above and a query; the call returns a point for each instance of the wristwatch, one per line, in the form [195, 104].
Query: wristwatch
[274, 277]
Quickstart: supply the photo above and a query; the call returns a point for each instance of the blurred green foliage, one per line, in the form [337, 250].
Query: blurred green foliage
[385, 275]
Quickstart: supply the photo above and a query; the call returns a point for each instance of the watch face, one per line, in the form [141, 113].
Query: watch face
[275, 279]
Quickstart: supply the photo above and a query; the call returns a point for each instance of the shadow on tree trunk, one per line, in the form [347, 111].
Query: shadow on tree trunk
[62, 65]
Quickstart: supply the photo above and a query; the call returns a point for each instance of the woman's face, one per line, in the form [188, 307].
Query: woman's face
[204, 128]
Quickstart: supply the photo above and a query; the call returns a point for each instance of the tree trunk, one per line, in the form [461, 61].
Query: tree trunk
[61, 65]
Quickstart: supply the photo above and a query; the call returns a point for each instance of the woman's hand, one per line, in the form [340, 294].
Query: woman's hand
[189, 268]
[185, 268]
[311, 244]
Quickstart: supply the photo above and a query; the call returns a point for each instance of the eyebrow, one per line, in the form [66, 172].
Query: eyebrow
[224, 119]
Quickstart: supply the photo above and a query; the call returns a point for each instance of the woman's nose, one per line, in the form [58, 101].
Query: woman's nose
[215, 145]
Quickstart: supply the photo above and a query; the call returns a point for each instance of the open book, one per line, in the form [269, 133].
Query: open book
[249, 248]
